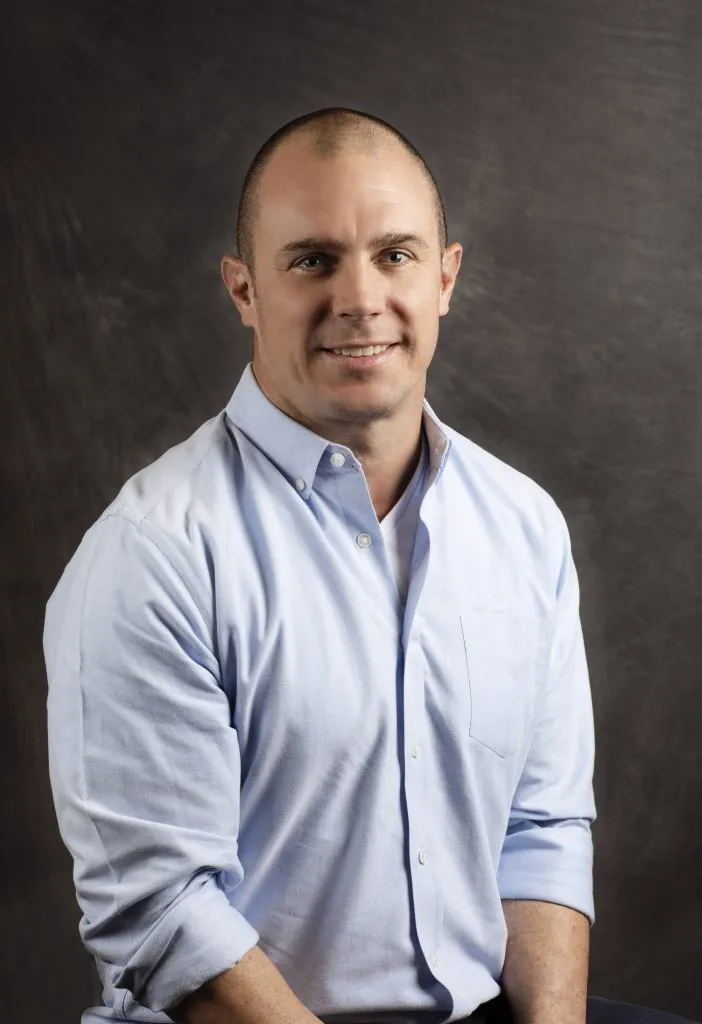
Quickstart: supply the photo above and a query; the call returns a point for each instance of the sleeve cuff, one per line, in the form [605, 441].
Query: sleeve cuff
[201, 936]
[550, 862]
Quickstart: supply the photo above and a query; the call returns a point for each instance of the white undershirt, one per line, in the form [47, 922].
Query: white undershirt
[399, 526]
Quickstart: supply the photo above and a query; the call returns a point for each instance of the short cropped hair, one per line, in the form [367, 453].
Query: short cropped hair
[332, 128]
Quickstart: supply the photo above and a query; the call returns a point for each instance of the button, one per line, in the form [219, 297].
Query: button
[338, 459]
[423, 856]
[364, 540]
[300, 484]
[415, 750]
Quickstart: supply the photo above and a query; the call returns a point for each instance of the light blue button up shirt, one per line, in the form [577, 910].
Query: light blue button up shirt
[254, 740]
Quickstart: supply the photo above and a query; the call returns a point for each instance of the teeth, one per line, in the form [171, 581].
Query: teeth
[371, 350]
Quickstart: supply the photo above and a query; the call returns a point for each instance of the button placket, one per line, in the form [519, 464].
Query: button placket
[423, 873]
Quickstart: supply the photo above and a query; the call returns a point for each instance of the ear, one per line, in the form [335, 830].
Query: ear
[450, 263]
[239, 284]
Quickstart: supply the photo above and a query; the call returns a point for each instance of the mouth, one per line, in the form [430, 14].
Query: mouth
[361, 356]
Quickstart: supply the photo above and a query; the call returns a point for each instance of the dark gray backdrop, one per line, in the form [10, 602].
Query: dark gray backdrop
[567, 137]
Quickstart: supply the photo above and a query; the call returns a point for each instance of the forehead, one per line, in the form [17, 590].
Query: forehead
[348, 193]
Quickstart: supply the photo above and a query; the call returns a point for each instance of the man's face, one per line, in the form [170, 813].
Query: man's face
[347, 251]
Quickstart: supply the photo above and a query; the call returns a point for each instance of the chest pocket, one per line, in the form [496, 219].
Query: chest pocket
[504, 661]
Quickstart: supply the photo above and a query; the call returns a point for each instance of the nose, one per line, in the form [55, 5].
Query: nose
[359, 290]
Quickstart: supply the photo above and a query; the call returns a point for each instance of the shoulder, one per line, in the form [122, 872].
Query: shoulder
[155, 524]
[164, 493]
[506, 493]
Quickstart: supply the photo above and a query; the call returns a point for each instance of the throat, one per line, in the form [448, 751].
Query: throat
[385, 497]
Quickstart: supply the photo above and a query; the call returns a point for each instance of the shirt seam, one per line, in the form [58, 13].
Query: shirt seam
[81, 660]
[144, 530]
[141, 516]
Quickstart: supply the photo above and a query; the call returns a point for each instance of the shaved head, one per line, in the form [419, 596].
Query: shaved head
[329, 132]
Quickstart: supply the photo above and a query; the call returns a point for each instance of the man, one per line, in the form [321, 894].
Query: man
[320, 722]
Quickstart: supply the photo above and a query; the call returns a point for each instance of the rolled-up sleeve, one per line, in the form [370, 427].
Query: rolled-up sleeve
[547, 853]
[144, 766]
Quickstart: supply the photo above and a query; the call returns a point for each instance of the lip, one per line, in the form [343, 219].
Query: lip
[362, 344]
[362, 362]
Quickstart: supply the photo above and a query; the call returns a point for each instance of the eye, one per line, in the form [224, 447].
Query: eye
[305, 259]
[397, 252]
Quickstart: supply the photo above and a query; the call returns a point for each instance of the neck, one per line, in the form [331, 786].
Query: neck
[388, 474]
[389, 457]
[389, 451]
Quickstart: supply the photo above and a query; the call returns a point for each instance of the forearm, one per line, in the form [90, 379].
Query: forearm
[251, 992]
[546, 964]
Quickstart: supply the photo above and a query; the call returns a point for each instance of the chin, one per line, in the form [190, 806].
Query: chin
[363, 411]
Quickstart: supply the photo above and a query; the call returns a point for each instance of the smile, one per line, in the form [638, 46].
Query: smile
[369, 350]
[361, 358]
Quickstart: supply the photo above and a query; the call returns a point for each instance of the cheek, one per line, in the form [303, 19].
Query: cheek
[292, 307]
[282, 316]
[422, 302]
[421, 289]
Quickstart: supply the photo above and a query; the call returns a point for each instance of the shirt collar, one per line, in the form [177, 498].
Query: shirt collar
[294, 448]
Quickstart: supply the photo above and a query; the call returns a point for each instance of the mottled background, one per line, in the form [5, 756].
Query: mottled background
[567, 138]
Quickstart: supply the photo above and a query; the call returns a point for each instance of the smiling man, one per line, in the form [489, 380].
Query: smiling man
[343, 289]
[320, 724]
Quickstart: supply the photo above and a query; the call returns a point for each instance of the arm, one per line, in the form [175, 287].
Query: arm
[253, 992]
[145, 770]
[546, 966]
[545, 870]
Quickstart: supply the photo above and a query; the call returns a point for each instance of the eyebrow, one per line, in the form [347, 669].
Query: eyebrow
[389, 239]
